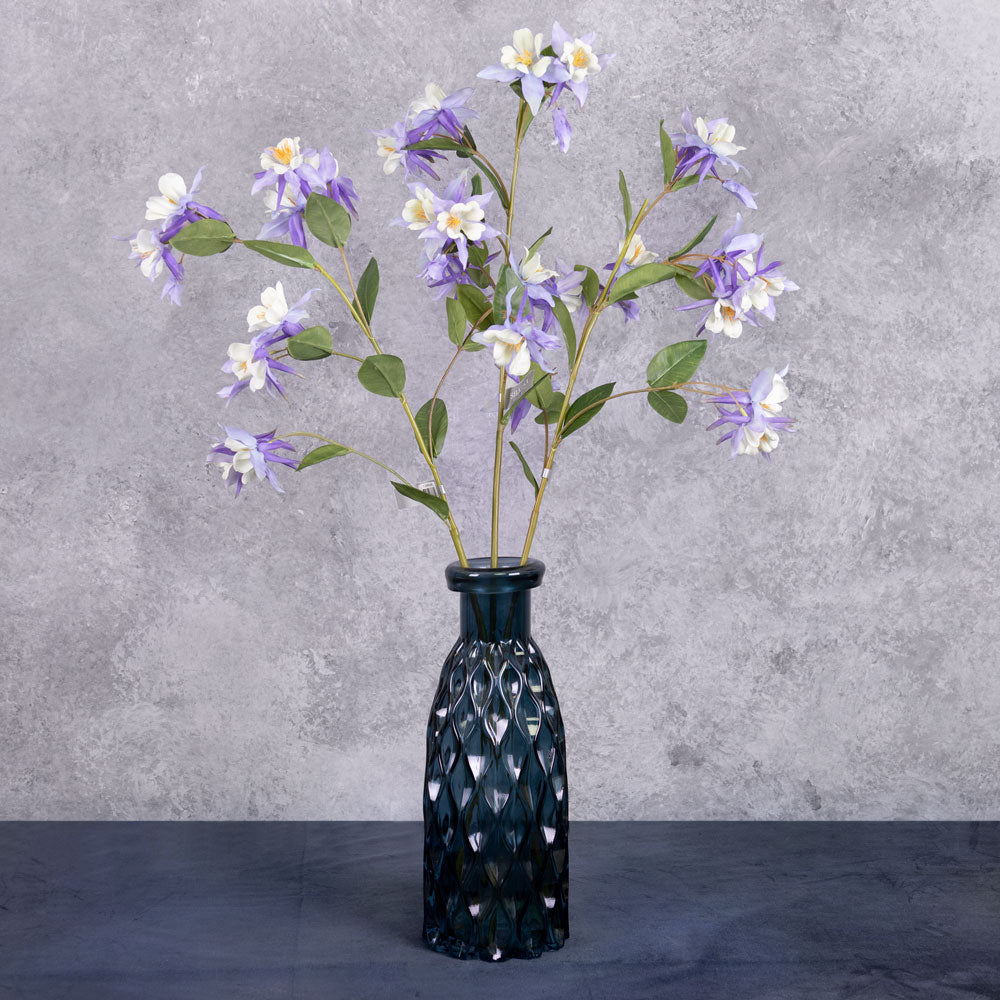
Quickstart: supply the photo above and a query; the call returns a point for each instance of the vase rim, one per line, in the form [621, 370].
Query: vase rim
[507, 576]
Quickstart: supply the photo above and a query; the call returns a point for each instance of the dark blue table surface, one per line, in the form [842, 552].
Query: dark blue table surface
[741, 911]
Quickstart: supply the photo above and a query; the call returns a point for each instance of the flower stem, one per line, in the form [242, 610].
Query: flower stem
[513, 177]
[353, 451]
[366, 330]
[644, 211]
[497, 464]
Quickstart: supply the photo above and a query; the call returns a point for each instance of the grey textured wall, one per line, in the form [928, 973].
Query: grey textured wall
[813, 638]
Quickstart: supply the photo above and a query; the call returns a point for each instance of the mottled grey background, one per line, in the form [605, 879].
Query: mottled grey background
[810, 638]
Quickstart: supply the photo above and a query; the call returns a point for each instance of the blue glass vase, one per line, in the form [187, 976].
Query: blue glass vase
[496, 812]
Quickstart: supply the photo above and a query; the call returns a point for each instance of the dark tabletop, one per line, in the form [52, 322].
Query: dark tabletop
[739, 911]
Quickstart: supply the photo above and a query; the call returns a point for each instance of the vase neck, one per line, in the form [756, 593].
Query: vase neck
[495, 601]
[496, 617]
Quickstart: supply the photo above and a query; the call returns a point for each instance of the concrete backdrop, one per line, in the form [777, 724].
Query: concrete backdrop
[810, 638]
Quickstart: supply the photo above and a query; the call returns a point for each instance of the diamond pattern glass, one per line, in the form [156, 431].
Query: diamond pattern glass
[496, 812]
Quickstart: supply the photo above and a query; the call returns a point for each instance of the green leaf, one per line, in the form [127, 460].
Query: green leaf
[527, 468]
[383, 374]
[691, 244]
[506, 280]
[675, 364]
[437, 142]
[434, 441]
[204, 238]
[469, 141]
[477, 184]
[566, 322]
[311, 344]
[541, 239]
[640, 277]
[284, 253]
[328, 221]
[552, 409]
[475, 304]
[436, 504]
[668, 155]
[368, 289]
[686, 182]
[668, 404]
[595, 395]
[321, 454]
[541, 392]
[591, 286]
[626, 200]
[689, 286]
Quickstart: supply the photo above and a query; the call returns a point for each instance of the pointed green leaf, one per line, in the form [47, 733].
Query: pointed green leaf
[506, 280]
[469, 141]
[527, 468]
[327, 220]
[541, 239]
[693, 243]
[475, 304]
[668, 404]
[437, 142]
[204, 238]
[692, 287]
[436, 504]
[321, 454]
[284, 253]
[640, 277]
[433, 441]
[668, 155]
[685, 182]
[383, 374]
[573, 421]
[477, 184]
[311, 344]
[675, 364]
[626, 200]
[368, 289]
[541, 392]
[552, 409]
[591, 286]
[566, 322]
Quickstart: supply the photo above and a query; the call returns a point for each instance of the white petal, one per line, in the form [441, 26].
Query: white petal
[172, 186]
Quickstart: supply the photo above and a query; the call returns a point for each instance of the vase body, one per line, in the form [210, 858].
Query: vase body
[496, 811]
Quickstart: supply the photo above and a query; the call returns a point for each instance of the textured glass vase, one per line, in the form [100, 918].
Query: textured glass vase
[496, 813]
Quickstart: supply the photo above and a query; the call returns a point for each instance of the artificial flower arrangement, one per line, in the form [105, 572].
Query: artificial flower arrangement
[526, 313]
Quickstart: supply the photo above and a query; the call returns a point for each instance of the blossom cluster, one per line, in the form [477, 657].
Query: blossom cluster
[292, 174]
[468, 254]
[172, 209]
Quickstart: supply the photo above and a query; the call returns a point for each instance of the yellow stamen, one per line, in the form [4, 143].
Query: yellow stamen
[525, 58]
[454, 223]
[282, 153]
[580, 58]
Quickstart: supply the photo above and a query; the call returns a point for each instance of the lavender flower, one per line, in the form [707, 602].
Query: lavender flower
[175, 206]
[636, 254]
[437, 113]
[320, 174]
[561, 130]
[518, 341]
[274, 317]
[523, 62]
[445, 272]
[245, 457]
[745, 288]
[254, 368]
[458, 219]
[752, 414]
[153, 254]
[296, 173]
[392, 145]
[705, 146]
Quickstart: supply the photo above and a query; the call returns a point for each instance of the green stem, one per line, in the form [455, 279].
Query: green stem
[497, 464]
[353, 451]
[513, 177]
[595, 312]
[366, 330]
